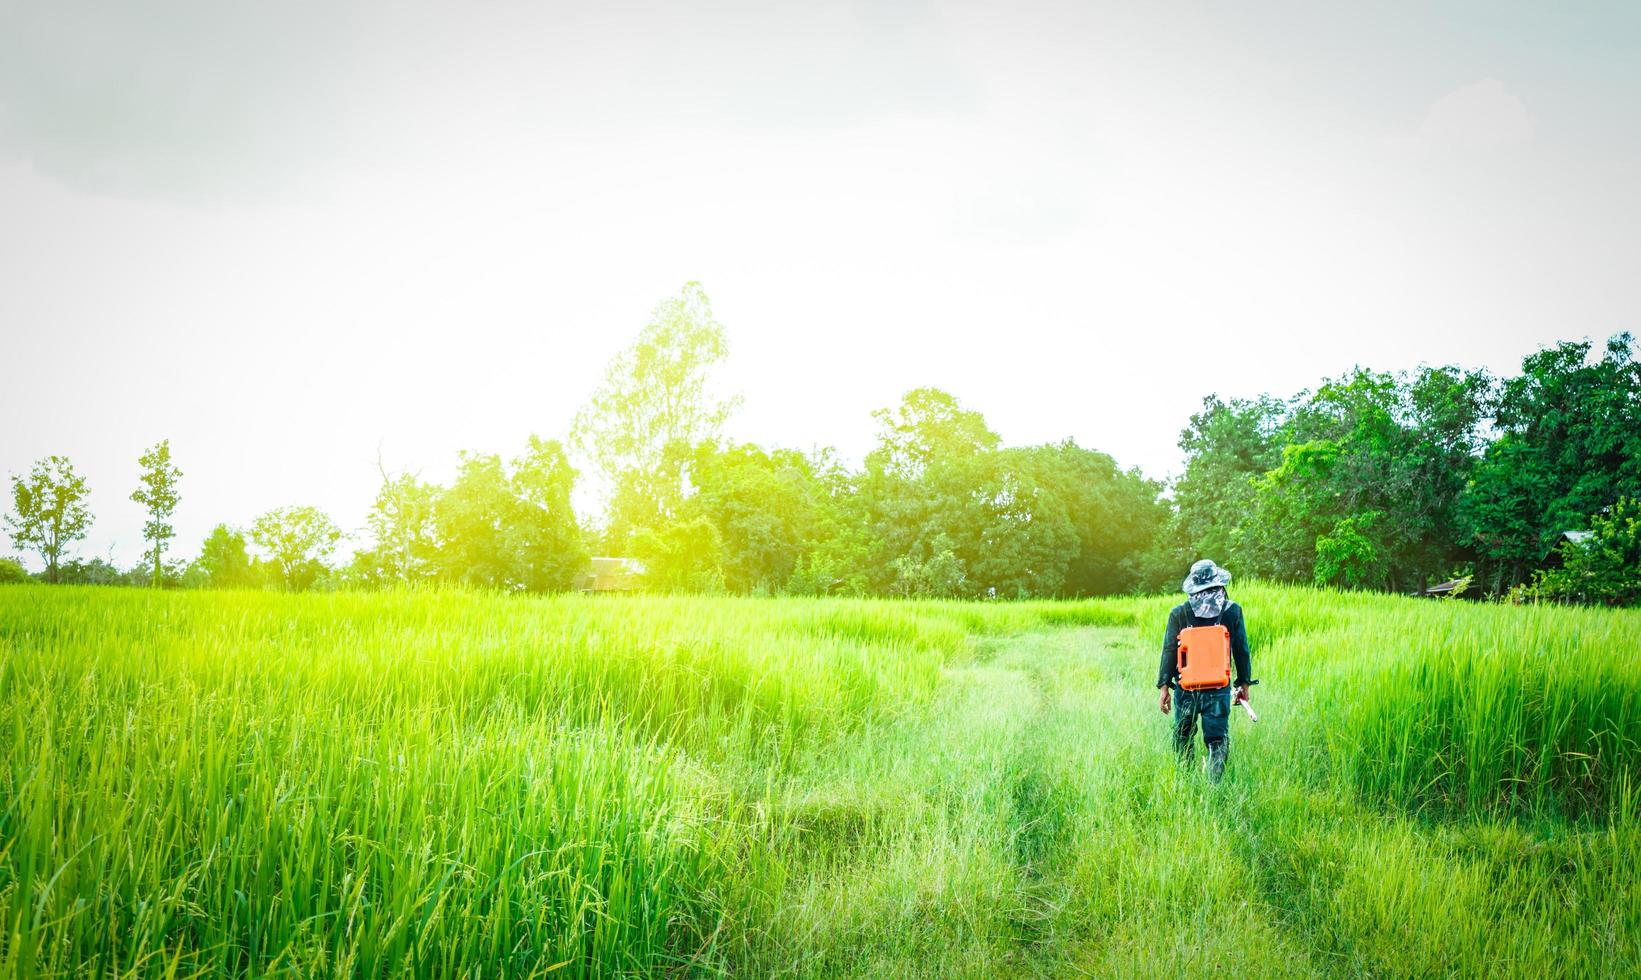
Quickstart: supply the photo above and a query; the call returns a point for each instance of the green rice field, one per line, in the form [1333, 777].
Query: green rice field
[461, 784]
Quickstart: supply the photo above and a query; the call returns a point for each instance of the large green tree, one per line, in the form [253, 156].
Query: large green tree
[684, 556]
[1568, 446]
[224, 562]
[511, 530]
[471, 517]
[543, 537]
[296, 542]
[763, 505]
[1366, 489]
[49, 511]
[403, 525]
[1011, 535]
[946, 512]
[157, 492]
[1116, 514]
[1227, 446]
[654, 406]
[928, 426]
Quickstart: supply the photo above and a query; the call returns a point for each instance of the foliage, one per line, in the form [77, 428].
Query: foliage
[1349, 555]
[471, 521]
[1568, 446]
[510, 530]
[1374, 481]
[157, 492]
[12, 571]
[403, 523]
[653, 407]
[683, 557]
[296, 541]
[1603, 568]
[543, 538]
[1227, 446]
[949, 513]
[928, 426]
[49, 511]
[95, 571]
[933, 571]
[1115, 514]
[224, 562]
[762, 504]
[1010, 538]
[1290, 489]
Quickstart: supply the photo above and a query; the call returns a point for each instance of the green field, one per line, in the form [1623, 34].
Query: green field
[466, 784]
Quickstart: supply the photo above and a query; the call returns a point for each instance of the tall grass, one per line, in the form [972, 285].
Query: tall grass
[450, 783]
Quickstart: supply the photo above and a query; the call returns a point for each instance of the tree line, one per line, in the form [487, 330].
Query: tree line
[1372, 481]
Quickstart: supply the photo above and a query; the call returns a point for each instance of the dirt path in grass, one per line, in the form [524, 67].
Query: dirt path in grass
[1030, 821]
[1132, 859]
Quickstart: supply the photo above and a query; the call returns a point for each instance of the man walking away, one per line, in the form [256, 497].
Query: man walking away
[1207, 604]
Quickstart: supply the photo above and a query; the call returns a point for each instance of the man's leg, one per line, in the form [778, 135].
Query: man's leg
[1216, 730]
[1185, 724]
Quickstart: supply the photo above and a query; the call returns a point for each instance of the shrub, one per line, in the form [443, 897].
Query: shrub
[1605, 567]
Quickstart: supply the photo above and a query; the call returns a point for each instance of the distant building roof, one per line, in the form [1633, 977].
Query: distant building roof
[1450, 587]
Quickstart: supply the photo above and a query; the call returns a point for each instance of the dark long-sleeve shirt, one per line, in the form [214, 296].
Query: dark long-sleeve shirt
[1179, 618]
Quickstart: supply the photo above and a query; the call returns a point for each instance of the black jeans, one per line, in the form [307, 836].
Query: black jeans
[1213, 710]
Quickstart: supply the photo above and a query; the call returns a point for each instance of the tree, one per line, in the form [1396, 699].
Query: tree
[652, 408]
[762, 503]
[1604, 567]
[1397, 446]
[157, 491]
[49, 511]
[296, 541]
[403, 522]
[510, 530]
[223, 560]
[1011, 536]
[933, 571]
[1569, 445]
[12, 571]
[472, 518]
[948, 513]
[1227, 446]
[97, 571]
[928, 426]
[839, 548]
[1115, 514]
[683, 557]
[543, 538]
[1349, 555]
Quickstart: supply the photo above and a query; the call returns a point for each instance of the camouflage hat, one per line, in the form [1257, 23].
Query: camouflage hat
[1205, 575]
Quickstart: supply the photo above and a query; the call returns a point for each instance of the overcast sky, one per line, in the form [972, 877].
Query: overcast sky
[286, 235]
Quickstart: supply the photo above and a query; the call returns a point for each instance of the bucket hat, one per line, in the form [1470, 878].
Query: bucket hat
[1205, 575]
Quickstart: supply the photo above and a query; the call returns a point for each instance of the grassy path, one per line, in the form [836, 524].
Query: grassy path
[1033, 822]
[1029, 821]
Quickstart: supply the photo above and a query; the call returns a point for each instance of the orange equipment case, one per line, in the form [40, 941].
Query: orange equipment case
[1204, 658]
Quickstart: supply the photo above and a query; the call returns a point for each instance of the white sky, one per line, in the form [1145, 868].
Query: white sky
[284, 235]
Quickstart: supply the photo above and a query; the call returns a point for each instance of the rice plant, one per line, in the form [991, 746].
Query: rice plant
[463, 784]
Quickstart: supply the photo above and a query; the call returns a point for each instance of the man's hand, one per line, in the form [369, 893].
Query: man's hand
[1241, 695]
[1167, 703]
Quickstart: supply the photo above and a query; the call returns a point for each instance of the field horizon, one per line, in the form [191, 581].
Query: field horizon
[448, 782]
